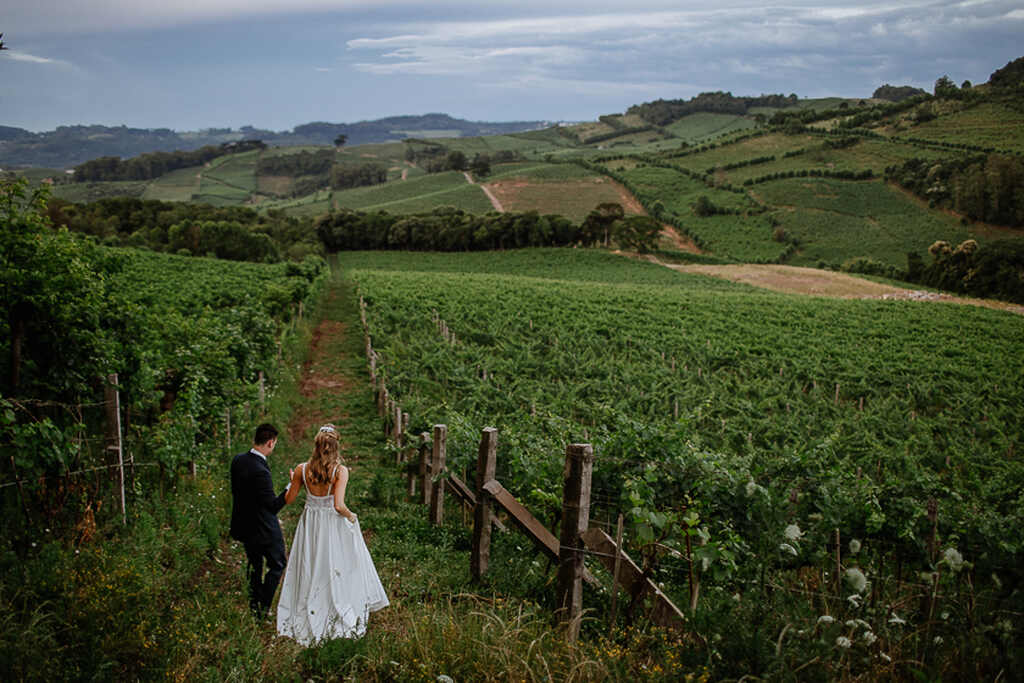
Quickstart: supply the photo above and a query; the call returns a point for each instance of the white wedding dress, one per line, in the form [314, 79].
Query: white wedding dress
[330, 584]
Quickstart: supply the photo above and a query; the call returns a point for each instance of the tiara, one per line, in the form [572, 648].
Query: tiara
[328, 428]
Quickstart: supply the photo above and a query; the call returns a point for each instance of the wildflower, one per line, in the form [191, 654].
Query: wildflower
[938, 640]
[792, 533]
[843, 642]
[885, 656]
[869, 637]
[854, 600]
[751, 488]
[787, 548]
[825, 619]
[850, 623]
[854, 546]
[896, 620]
[856, 579]
[443, 678]
[953, 558]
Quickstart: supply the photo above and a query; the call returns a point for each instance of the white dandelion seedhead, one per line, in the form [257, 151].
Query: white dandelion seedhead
[844, 642]
[787, 548]
[953, 558]
[856, 579]
[826, 619]
[793, 533]
[854, 546]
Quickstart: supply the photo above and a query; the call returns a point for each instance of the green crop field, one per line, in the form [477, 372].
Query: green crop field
[176, 186]
[236, 171]
[701, 126]
[540, 172]
[742, 238]
[311, 205]
[836, 220]
[776, 422]
[989, 124]
[676, 191]
[772, 144]
[414, 195]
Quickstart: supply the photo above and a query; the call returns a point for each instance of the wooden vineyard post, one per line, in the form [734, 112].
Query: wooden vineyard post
[579, 466]
[114, 443]
[262, 392]
[485, 466]
[437, 459]
[403, 453]
[396, 427]
[424, 473]
[615, 573]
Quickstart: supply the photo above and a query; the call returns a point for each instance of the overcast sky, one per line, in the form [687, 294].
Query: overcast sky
[275, 64]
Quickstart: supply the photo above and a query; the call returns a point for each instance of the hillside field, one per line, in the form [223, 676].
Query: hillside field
[760, 410]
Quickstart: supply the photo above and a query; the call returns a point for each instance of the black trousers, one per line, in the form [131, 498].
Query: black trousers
[262, 586]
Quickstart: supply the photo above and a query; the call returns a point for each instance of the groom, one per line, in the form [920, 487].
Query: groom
[254, 518]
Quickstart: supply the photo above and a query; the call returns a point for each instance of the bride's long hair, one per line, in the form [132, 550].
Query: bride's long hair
[326, 455]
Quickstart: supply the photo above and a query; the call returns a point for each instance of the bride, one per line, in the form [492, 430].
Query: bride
[330, 584]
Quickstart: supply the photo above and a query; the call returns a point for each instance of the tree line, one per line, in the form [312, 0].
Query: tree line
[982, 187]
[231, 232]
[156, 164]
[991, 270]
[301, 163]
[662, 112]
[451, 229]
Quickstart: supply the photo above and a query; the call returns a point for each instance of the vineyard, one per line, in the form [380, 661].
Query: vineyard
[189, 340]
[764, 427]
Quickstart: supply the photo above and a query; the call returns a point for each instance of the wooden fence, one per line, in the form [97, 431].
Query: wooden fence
[425, 469]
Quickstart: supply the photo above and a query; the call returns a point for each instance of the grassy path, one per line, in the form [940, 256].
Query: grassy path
[438, 622]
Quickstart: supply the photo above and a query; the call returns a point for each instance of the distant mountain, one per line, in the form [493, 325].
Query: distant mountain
[72, 145]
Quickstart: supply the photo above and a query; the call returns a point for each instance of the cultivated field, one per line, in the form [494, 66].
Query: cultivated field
[835, 219]
[780, 421]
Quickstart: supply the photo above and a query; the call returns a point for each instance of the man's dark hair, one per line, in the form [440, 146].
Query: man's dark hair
[264, 433]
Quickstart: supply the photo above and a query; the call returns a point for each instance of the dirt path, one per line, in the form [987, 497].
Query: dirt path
[681, 243]
[814, 282]
[487, 191]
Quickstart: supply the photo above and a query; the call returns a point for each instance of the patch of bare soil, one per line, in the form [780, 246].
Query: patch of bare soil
[678, 241]
[630, 203]
[814, 282]
[317, 377]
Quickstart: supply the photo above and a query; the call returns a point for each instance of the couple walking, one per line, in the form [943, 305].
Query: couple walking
[330, 585]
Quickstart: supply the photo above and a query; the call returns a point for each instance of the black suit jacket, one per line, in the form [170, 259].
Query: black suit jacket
[254, 506]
